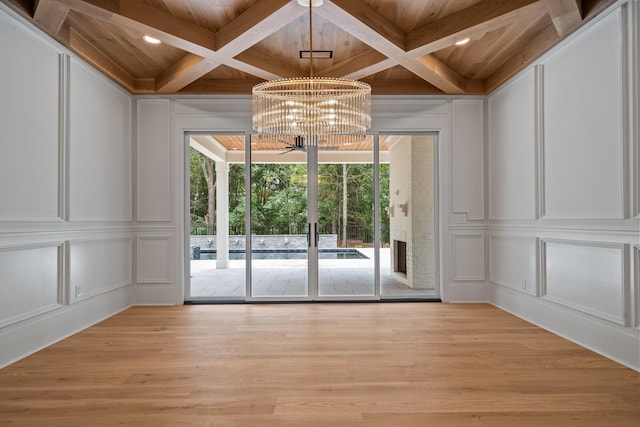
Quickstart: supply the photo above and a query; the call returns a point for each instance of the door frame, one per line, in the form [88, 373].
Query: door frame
[312, 202]
[436, 295]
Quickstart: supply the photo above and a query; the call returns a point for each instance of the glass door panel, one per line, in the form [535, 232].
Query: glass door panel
[216, 213]
[407, 170]
[279, 224]
[346, 220]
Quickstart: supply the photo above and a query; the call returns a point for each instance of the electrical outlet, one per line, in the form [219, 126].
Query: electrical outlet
[524, 282]
[77, 291]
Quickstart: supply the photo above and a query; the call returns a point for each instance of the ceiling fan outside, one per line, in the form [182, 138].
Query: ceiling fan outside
[298, 145]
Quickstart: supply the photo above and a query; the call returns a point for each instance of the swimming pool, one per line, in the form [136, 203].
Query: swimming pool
[287, 254]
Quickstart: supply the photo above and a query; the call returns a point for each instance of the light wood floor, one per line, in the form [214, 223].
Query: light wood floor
[404, 364]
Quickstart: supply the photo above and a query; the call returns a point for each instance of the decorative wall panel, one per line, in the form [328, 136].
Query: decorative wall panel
[468, 262]
[513, 262]
[586, 276]
[99, 148]
[30, 281]
[98, 266]
[30, 123]
[154, 260]
[153, 145]
[512, 150]
[636, 286]
[583, 138]
[467, 148]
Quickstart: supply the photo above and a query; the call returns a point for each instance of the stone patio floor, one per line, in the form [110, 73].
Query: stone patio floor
[287, 278]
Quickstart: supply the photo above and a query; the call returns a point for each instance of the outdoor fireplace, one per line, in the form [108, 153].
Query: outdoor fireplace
[400, 256]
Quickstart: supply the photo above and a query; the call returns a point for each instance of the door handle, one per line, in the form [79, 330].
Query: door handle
[317, 235]
[309, 235]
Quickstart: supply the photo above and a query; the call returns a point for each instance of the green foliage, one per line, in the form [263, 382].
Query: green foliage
[198, 192]
[236, 199]
[279, 198]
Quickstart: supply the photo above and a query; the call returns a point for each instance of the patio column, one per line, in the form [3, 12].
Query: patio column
[222, 214]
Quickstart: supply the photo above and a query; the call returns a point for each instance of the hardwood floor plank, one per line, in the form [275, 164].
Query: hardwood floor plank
[401, 364]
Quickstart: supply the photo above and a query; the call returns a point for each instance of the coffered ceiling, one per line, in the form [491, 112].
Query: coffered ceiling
[227, 46]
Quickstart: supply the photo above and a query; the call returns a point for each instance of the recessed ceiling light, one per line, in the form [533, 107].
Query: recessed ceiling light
[314, 3]
[463, 41]
[151, 40]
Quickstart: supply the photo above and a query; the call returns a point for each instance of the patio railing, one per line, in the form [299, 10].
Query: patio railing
[357, 235]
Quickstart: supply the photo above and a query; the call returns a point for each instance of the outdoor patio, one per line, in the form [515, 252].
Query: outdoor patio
[287, 278]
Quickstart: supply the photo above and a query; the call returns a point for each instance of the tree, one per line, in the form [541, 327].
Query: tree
[279, 198]
[237, 196]
[345, 202]
[209, 171]
[198, 193]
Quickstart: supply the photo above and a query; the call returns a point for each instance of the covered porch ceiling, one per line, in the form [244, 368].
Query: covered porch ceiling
[231, 149]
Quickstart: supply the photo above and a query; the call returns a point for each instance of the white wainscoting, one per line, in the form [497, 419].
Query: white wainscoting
[636, 286]
[467, 257]
[31, 281]
[586, 276]
[99, 266]
[513, 262]
[154, 260]
[512, 149]
[633, 26]
[100, 178]
[467, 146]
[583, 129]
[29, 155]
[153, 145]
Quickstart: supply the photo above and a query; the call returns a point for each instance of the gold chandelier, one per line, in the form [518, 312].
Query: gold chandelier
[326, 109]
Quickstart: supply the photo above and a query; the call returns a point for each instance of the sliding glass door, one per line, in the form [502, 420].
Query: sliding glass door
[346, 194]
[216, 211]
[324, 222]
[280, 219]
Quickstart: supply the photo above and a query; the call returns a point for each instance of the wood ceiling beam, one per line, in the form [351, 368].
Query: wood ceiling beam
[372, 69]
[87, 50]
[153, 22]
[267, 62]
[259, 21]
[253, 25]
[188, 69]
[566, 15]
[441, 75]
[401, 87]
[508, 44]
[221, 86]
[355, 63]
[50, 14]
[145, 85]
[529, 48]
[478, 19]
[250, 69]
[178, 30]
[357, 19]
[372, 20]
[262, 19]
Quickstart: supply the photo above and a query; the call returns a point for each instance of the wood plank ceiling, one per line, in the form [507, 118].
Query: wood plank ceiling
[227, 46]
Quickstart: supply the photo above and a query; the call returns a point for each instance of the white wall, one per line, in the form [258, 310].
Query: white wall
[562, 189]
[65, 184]
[160, 203]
